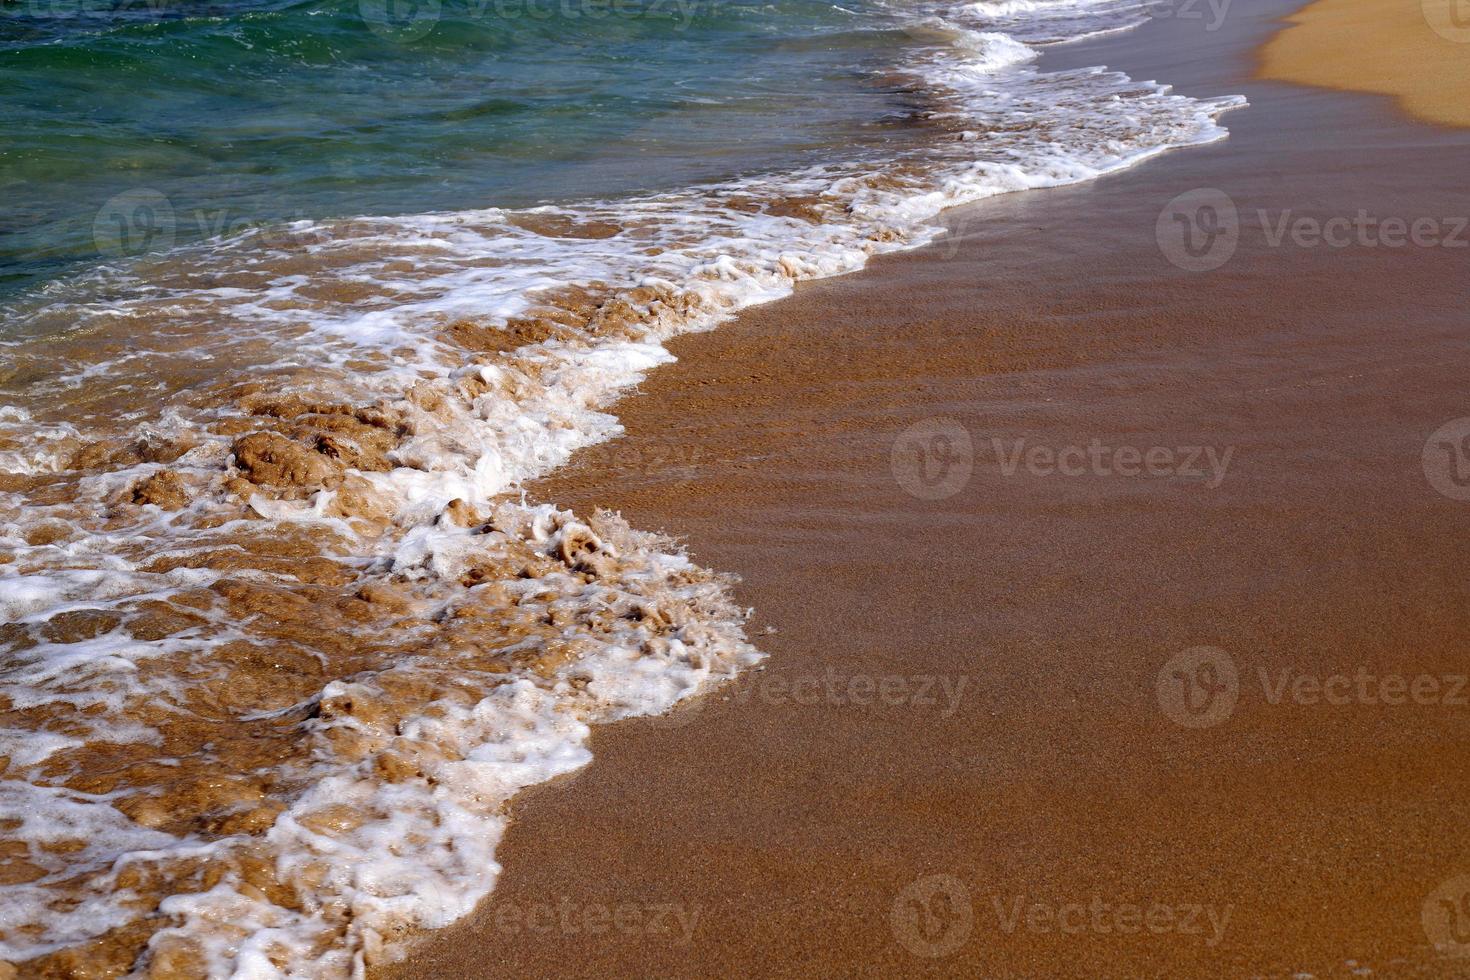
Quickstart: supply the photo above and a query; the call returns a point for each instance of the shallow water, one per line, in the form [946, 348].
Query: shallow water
[283, 638]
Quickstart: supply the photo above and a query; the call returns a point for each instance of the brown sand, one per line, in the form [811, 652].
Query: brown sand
[791, 821]
[1415, 50]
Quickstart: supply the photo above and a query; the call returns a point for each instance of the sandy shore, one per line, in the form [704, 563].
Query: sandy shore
[970, 753]
[1415, 50]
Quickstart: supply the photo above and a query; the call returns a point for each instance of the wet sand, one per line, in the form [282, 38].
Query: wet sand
[1415, 50]
[982, 685]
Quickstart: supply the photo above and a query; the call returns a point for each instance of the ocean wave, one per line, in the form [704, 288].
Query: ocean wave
[283, 635]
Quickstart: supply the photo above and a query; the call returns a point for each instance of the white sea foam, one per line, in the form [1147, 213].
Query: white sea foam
[368, 321]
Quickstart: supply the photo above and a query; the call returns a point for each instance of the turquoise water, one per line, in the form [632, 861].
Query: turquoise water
[210, 117]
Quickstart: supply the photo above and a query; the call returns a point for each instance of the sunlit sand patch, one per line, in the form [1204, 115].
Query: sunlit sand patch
[1420, 54]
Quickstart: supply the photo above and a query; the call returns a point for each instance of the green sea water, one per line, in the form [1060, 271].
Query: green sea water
[135, 125]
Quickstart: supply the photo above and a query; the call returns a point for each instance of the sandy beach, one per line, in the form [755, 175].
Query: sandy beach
[572, 488]
[292, 348]
[1419, 53]
[1110, 557]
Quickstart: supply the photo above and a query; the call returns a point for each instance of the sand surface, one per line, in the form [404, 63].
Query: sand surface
[1415, 50]
[962, 758]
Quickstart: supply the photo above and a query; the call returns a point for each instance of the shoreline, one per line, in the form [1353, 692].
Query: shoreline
[789, 828]
[333, 646]
[1419, 56]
